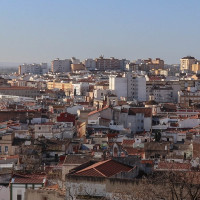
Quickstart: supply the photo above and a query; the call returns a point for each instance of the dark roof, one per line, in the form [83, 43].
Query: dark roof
[147, 111]
[152, 102]
[188, 57]
[77, 159]
[18, 141]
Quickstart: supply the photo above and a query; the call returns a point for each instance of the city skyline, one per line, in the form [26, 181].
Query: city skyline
[37, 31]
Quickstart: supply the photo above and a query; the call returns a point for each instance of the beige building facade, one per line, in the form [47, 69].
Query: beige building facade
[186, 63]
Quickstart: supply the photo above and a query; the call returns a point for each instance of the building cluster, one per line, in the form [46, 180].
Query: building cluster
[100, 129]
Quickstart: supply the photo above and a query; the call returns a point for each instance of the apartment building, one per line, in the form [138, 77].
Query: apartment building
[186, 63]
[162, 94]
[196, 67]
[33, 68]
[153, 64]
[20, 91]
[188, 98]
[89, 63]
[108, 63]
[61, 66]
[77, 67]
[80, 88]
[75, 60]
[128, 86]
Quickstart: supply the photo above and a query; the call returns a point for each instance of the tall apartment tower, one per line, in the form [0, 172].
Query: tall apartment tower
[33, 68]
[90, 64]
[61, 66]
[129, 86]
[108, 63]
[186, 63]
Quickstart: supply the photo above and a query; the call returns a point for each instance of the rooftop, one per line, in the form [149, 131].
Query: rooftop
[105, 168]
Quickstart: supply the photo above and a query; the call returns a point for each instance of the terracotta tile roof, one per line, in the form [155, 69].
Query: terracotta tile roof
[134, 152]
[112, 135]
[106, 168]
[96, 111]
[31, 178]
[128, 143]
[173, 166]
[147, 162]
[147, 111]
[9, 157]
[18, 88]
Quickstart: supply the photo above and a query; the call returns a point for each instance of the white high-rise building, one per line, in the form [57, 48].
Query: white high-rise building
[75, 61]
[119, 85]
[90, 64]
[129, 86]
[60, 66]
[34, 68]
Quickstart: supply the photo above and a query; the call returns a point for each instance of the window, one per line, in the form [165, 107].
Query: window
[19, 197]
[6, 148]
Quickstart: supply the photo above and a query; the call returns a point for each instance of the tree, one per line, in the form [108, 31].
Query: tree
[157, 135]
[168, 185]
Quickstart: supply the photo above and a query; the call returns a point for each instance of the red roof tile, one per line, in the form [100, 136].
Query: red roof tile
[96, 111]
[134, 151]
[106, 168]
[173, 166]
[31, 178]
[128, 143]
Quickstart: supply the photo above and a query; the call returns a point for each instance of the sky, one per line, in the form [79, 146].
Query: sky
[42, 30]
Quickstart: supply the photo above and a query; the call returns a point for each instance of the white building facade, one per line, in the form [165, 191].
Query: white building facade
[61, 66]
[90, 64]
[129, 86]
[34, 68]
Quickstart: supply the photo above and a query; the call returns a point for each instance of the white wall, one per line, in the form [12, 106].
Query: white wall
[119, 85]
[4, 193]
[189, 123]
[90, 63]
[147, 123]
[141, 82]
[86, 188]
[21, 188]
[61, 65]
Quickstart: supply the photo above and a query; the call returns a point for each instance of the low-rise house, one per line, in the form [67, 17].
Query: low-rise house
[72, 161]
[90, 181]
[175, 166]
[6, 144]
[50, 193]
[50, 130]
[155, 150]
[100, 117]
[21, 182]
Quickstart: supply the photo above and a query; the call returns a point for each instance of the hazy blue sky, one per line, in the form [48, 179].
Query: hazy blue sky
[41, 30]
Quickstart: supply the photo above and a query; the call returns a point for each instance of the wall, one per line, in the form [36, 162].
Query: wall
[119, 85]
[42, 194]
[102, 187]
[21, 188]
[4, 193]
